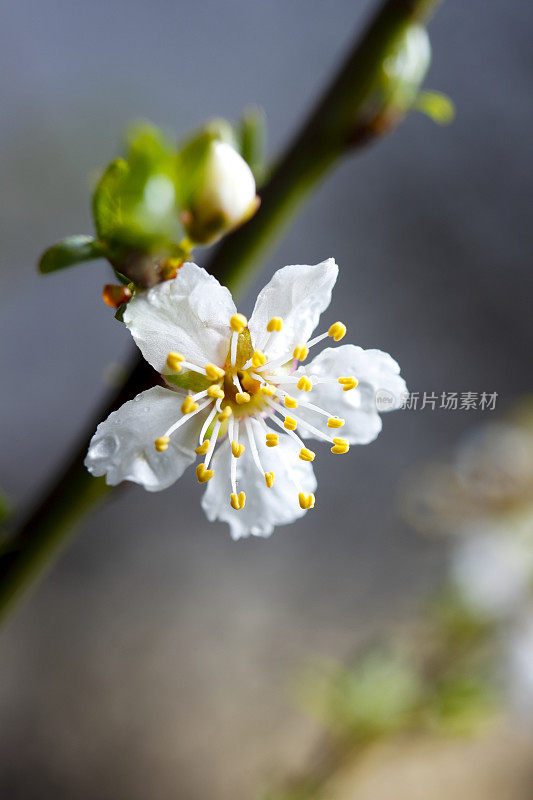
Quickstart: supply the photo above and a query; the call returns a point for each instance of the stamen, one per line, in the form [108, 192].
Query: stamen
[281, 455]
[233, 348]
[253, 445]
[269, 479]
[267, 390]
[306, 501]
[302, 422]
[304, 384]
[238, 323]
[174, 361]
[337, 331]
[300, 352]
[272, 440]
[237, 449]
[290, 424]
[335, 422]
[215, 391]
[340, 446]
[185, 418]
[161, 444]
[275, 324]
[290, 402]
[203, 474]
[316, 340]
[188, 405]
[259, 359]
[225, 413]
[213, 372]
[212, 442]
[241, 397]
[202, 449]
[305, 454]
[237, 501]
[348, 383]
[233, 432]
[208, 421]
[319, 410]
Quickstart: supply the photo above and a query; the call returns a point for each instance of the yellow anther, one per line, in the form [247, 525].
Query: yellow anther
[268, 390]
[275, 324]
[215, 391]
[237, 501]
[238, 323]
[306, 500]
[237, 449]
[269, 479]
[300, 352]
[161, 444]
[289, 424]
[272, 439]
[188, 405]
[202, 449]
[304, 384]
[242, 397]
[174, 361]
[203, 474]
[259, 359]
[335, 422]
[213, 372]
[340, 446]
[348, 383]
[225, 414]
[337, 331]
[290, 402]
[307, 455]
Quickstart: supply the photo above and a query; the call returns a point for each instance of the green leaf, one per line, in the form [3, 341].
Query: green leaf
[70, 251]
[437, 106]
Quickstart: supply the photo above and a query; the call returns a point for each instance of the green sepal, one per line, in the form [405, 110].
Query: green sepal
[122, 278]
[435, 105]
[119, 313]
[188, 380]
[70, 251]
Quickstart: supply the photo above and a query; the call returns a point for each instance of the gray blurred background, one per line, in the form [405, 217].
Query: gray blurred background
[156, 660]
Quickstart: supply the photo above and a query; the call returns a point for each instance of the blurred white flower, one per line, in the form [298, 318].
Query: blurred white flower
[493, 568]
[519, 676]
[243, 381]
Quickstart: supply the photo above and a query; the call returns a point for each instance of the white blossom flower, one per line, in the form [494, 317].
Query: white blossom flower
[492, 567]
[237, 382]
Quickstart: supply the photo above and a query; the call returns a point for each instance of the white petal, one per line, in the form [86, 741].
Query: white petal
[380, 388]
[123, 449]
[189, 315]
[265, 508]
[298, 294]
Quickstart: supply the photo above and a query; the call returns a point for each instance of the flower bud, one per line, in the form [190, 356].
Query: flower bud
[405, 68]
[224, 196]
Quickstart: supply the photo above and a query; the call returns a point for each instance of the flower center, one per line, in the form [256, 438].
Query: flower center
[248, 391]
